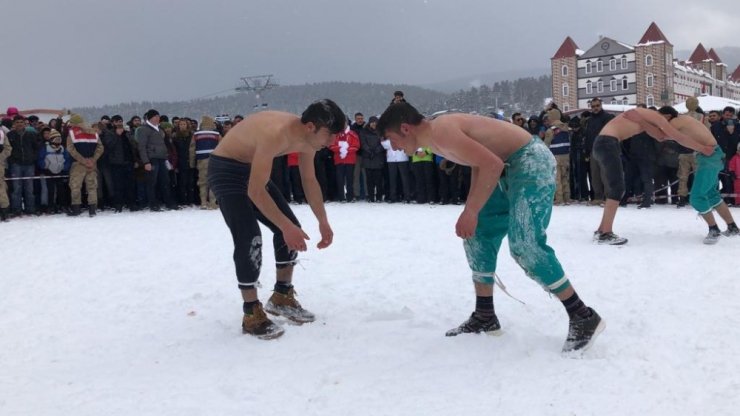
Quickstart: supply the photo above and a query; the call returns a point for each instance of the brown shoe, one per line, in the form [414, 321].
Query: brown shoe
[287, 306]
[259, 325]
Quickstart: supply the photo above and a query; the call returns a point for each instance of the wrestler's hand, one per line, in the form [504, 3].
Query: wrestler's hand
[327, 235]
[295, 238]
[466, 224]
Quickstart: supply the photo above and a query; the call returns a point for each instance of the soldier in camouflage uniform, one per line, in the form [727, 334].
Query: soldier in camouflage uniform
[84, 145]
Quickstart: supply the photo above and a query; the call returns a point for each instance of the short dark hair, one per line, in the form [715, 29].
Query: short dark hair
[515, 115]
[729, 109]
[398, 93]
[359, 114]
[117, 117]
[668, 110]
[715, 112]
[397, 114]
[325, 113]
[105, 117]
[151, 113]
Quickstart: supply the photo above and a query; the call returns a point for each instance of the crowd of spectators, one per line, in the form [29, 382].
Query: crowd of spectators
[159, 163]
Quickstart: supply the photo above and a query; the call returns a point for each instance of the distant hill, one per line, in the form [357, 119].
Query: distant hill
[352, 97]
[489, 78]
[522, 94]
[730, 55]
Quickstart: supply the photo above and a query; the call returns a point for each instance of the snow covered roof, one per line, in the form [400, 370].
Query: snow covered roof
[632, 48]
[653, 36]
[699, 55]
[709, 103]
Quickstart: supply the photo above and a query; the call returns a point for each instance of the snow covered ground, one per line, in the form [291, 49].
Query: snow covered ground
[138, 314]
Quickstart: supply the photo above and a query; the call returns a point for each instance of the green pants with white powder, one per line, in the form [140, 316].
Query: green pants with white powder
[521, 207]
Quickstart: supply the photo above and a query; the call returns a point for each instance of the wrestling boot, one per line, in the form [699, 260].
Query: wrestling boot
[582, 332]
[610, 239]
[712, 236]
[732, 231]
[477, 324]
[287, 306]
[259, 325]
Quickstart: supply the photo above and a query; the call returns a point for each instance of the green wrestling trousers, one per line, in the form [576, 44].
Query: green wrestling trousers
[705, 194]
[521, 207]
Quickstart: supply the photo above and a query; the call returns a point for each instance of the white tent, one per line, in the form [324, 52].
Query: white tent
[709, 103]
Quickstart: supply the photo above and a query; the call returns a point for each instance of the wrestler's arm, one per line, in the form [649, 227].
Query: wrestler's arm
[265, 152]
[486, 170]
[314, 196]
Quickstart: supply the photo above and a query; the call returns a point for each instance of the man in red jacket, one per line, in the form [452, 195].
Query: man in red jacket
[345, 147]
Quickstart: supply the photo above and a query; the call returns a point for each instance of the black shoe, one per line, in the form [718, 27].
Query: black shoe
[92, 210]
[644, 205]
[155, 208]
[75, 211]
[3, 214]
[583, 331]
[732, 231]
[610, 239]
[712, 236]
[681, 202]
[475, 325]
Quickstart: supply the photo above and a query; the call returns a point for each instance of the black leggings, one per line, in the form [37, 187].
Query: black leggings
[608, 155]
[229, 179]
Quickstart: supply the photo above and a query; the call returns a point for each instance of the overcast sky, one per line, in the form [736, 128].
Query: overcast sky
[93, 52]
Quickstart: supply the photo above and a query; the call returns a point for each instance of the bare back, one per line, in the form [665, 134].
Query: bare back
[500, 137]
[694, 129]
[621, 128]
[267, 128]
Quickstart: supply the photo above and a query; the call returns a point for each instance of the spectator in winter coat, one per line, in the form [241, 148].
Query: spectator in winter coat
[598, 119]
[294, 173]
[422, 165]
[182, 139]
[558, 140]
[728, 137]
[398, 168]
[54, 160]
[204, 142]
[734, 169]
[120, 152]
[578, 160]
[22, 161]
[373, 160]
[358, 177]
[5, 150]
[448, 175]
[84, 146]
[345, 147]
[154, 153]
